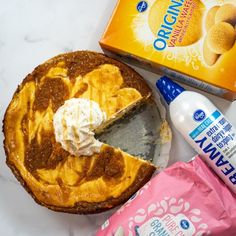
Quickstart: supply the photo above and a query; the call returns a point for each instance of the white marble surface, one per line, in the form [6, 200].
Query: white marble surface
[31, 32]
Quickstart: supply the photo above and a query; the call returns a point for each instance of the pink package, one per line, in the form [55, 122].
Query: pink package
[185, 199]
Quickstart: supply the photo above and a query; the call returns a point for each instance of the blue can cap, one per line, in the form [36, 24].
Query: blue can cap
[169, 89]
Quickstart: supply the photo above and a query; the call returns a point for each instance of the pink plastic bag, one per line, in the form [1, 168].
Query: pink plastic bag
[185, 199]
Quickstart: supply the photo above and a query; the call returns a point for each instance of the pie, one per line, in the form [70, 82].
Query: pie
[54, 177]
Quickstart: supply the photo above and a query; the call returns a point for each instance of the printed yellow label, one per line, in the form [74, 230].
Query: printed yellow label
[192, 37]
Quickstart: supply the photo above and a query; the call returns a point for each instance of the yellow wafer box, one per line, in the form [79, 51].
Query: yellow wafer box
[192, 41]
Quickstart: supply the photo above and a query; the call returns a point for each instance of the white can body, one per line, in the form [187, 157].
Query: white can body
[208, 132]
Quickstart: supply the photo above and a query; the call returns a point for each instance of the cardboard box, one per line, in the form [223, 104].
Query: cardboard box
[189, 40]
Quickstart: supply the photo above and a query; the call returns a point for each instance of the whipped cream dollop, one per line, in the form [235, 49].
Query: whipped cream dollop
[74, 124]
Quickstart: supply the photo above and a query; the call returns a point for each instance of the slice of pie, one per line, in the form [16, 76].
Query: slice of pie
[53, 176]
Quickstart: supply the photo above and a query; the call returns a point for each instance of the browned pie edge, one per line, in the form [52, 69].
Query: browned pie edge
[144, 174]
[146, 169]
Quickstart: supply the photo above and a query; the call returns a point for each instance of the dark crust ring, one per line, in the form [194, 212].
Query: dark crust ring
[145, 171]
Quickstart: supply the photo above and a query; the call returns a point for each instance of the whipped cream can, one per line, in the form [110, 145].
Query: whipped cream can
[204, 127]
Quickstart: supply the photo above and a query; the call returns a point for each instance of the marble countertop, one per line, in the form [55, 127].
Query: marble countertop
[30, 33]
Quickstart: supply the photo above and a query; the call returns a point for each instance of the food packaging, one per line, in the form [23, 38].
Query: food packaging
[184, 199]
[192, 41]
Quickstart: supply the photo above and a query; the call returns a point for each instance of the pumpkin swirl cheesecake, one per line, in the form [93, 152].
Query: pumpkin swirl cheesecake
[49, 129]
